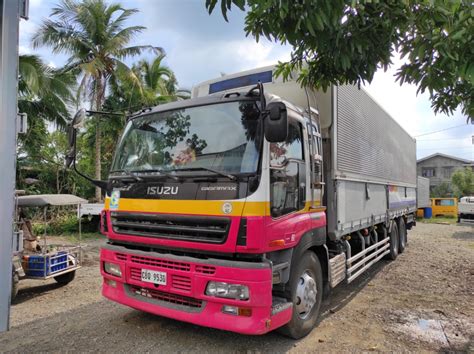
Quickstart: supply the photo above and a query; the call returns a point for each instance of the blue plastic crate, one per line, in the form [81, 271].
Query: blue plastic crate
[44, 265]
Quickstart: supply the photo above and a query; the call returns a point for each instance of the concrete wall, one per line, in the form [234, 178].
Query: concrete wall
[443, 168]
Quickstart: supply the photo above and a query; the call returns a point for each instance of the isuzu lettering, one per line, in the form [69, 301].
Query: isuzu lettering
[239, 208]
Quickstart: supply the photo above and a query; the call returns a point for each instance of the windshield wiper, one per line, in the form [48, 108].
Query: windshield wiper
[126, 176]
[228, 175]
[161, 174]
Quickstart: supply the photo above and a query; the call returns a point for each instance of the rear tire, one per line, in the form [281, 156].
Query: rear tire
[394, 238]
[402, 232]
[305, 292]
[64, 279]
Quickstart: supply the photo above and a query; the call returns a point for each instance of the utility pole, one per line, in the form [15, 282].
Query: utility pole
[9, 23]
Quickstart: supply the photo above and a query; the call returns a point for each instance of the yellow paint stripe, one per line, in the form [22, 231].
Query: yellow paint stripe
[200, 207]
[203, 207]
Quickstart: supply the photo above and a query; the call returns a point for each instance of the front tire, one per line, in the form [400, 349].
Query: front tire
[305, 292]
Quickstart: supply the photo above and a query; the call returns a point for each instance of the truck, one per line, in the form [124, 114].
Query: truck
[466, 210]
[423, 192]
[239, 208]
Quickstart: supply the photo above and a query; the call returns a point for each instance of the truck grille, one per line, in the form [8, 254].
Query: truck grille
[167, 297]
[189, 228]
[178, 282]
[165, 263]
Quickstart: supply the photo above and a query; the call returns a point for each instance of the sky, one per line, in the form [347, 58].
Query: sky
[200, 47]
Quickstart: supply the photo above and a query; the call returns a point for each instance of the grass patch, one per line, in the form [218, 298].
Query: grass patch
[74, 237]
[440, 220]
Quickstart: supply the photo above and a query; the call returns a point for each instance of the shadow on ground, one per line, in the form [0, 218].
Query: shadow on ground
[464, 235]
[31, 292]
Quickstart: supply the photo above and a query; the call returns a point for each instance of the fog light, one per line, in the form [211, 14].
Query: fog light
[229, 291]
[113, 269]
[236, 311]
[111, 283]
[230, 310]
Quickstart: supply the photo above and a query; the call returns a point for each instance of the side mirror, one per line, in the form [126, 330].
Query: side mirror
[79, 118]
[276, 122]
[76, 123]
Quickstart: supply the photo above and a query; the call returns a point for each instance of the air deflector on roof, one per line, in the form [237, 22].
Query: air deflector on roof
[241, 81]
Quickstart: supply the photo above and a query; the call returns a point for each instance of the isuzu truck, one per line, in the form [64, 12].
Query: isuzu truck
[239, 208]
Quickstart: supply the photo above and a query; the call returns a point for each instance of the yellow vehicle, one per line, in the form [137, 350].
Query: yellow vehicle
[444, 207]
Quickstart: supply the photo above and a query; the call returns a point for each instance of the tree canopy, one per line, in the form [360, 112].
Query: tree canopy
[95, 36]
[346, 41]
[463, 182]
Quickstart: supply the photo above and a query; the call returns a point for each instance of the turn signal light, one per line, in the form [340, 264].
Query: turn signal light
[276, 243]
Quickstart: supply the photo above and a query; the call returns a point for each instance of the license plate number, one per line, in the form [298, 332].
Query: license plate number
[152, 276]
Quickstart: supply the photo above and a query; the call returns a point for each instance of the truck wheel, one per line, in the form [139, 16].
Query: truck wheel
[402, 232]
[393, 242]
[305, 291]
[64, 279]
[15, 285]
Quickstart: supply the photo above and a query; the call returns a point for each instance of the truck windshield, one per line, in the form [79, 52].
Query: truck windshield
[225, 137]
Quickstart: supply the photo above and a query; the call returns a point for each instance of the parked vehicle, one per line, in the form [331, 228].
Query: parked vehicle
[466, 210]
[43, 260]
[423, 200]
[237, 209]
[445, 207]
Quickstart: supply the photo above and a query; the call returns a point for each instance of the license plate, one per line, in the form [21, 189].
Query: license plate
[152, 276]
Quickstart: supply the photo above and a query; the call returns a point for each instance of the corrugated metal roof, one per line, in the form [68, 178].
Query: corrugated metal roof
[49, 199]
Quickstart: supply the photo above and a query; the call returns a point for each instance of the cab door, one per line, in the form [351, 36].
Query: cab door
[288, 184]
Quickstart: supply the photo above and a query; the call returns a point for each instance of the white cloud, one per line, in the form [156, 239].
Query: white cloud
[200, 47]
[24, 49]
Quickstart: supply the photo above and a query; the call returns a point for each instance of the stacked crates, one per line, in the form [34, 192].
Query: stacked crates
[47, 264]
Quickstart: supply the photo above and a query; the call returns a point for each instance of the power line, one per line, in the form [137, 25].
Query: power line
[449, 148]
[441, 130]
[423, 140]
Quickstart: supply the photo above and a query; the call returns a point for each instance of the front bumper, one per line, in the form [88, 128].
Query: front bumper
[183, 297]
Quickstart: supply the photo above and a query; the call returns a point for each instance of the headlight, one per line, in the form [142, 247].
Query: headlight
[230, 291]
[113, 269]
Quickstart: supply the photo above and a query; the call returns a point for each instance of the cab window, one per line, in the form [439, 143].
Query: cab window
[288, 174]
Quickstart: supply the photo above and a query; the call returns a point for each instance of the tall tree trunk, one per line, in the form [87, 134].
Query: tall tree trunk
[98, 140]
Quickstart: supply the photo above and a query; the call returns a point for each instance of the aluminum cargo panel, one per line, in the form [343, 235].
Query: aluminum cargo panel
[359, 205]
[370, 145]
[423, 192]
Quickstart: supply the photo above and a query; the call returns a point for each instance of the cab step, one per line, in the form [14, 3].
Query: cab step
[280, 304]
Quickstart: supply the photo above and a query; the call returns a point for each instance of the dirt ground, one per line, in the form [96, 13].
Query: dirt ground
[421, 302]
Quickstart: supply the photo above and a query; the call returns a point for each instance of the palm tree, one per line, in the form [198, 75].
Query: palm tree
[159, 81]
[44, 92]
[153, 83]
[96, 39]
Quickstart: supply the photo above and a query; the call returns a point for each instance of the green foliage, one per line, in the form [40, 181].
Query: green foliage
[441, 191]
[95, 36]
[463, 182]
[346, 41]
[43, 92]
[46, 166]
[63, 222]
[151, 83]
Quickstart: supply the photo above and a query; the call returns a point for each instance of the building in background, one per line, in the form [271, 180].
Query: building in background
[440, 167]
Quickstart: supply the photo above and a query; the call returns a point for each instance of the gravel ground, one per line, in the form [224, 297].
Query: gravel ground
[421, 302]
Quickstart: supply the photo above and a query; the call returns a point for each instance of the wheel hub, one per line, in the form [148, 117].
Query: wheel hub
[305, 294]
